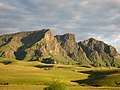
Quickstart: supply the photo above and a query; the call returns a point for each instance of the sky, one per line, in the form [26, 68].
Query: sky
[98, 19]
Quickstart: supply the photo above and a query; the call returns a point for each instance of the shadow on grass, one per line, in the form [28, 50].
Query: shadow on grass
[6, 62]
[94, 77]
[44, 66]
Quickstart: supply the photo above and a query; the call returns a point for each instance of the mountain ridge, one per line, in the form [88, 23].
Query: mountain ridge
[41, 44]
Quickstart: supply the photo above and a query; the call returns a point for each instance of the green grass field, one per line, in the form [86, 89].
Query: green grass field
[23, 75]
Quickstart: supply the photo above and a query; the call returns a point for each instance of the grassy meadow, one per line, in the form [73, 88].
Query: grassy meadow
[22, 75]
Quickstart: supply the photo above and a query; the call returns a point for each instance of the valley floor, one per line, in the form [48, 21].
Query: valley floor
[23, 75]
[39, 87]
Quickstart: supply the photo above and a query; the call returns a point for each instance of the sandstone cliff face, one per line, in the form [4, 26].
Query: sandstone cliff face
[35, 45]
[48, 46]
[31, 45]
[73, 50]
[98, 52]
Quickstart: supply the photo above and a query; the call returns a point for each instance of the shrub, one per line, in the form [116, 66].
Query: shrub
[6, 62]
[56, 85]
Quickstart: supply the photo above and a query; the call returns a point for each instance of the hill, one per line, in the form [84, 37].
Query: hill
[42, 46]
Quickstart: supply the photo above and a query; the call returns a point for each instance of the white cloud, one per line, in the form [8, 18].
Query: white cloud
[5, 6]
[84, 3]
[8, 31]
[110, 27]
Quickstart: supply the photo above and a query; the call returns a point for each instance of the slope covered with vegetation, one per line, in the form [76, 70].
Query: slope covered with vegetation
[36, 76]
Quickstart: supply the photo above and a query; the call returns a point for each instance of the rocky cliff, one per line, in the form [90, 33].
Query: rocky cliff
[41, 44]
[73, 50]
[33, 45]
[99, 53]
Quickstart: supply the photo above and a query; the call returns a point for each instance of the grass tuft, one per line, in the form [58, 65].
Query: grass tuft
[56, 85]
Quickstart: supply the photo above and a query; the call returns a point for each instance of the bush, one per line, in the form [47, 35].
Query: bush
[6, 62]
[56, 86]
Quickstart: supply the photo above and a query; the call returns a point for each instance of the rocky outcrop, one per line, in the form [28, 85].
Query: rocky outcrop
[31, 46]
[74, 51]
[41, 44]
[98, 52]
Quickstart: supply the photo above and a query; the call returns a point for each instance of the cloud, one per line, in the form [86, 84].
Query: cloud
[85, 18]
[8, 31]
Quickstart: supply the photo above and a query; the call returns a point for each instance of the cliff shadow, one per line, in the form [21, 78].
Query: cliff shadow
[6, 41]
[28, 42]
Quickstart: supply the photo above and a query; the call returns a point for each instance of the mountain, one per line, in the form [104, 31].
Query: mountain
[42, 45]
[99, 53]
[31, 46]
[73, 50]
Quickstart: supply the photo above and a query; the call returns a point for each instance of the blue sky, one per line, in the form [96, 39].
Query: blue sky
[99, 19]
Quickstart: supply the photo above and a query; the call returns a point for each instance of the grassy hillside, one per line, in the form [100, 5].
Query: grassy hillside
[35, 76]
[101, 78]
[34, 73]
